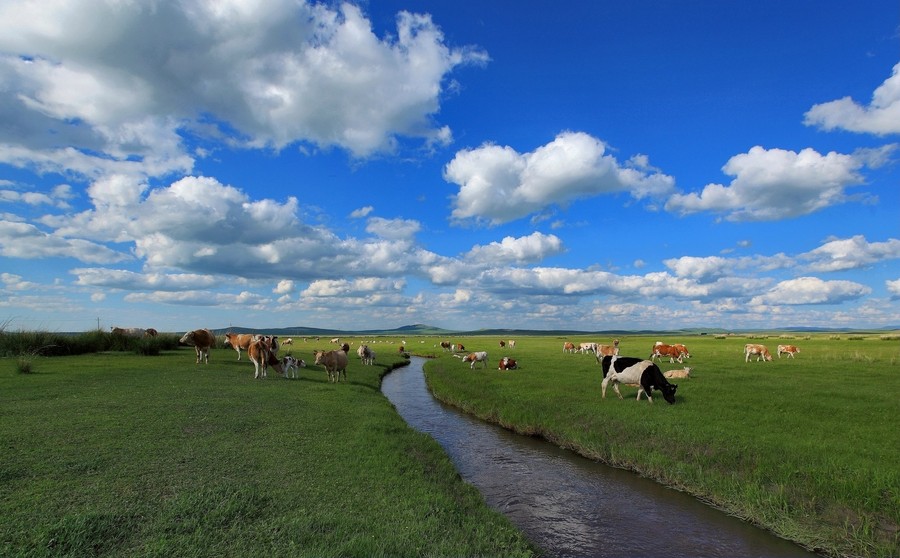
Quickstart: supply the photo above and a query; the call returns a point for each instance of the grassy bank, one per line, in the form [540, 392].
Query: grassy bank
[808, 447]
[116, 454]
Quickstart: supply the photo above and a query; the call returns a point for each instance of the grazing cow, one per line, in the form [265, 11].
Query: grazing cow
[760, 351]
[150, 332]
[472, 358]
[661, 350]
[683, 349]
[335, 363]
[587, 348]
[458, 348]
[129, 331]
[568, 347]
[507, 363]
[336, 340]
[607, 350]
[366, 354]
[288, 341]
[289, 364]
[629, 370]
[681, 373]
[239, 341]
[511, 344]
[445, 345]
[502, 343]
[790, 350]
[201, 340]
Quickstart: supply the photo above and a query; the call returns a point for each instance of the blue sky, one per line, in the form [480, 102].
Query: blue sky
[499, 164]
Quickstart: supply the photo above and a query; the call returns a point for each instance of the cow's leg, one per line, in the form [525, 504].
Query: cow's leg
[603, 387]
[616, 388]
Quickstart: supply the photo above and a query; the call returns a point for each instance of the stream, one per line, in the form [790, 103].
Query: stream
[571, 506]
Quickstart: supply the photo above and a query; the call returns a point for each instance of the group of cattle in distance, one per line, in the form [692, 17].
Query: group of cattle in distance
[262, 351]
[133, 331]
[505, 363]
[761, 352]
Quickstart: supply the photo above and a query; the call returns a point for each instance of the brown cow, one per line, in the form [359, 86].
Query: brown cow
[790, 350]
[201, 340]
[239, 341]
[507, 363]
[568, 347]
[335, 362]
[760, 351]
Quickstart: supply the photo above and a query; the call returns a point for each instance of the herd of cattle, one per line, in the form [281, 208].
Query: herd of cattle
[644, 374]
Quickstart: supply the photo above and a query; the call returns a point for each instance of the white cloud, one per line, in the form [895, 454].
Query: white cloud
[773, 184]
[284, 286]
[532, 248]
[97, 77]
[22, 240]
[130, 280]
[498, 184]
[851, 253]
[395, 229]
[361, 212]
[893, 287]
[811, 290]
[881, 116]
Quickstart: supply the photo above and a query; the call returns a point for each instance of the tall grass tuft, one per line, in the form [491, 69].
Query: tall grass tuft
[24, 366]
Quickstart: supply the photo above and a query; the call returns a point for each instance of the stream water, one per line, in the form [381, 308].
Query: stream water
[571, 506]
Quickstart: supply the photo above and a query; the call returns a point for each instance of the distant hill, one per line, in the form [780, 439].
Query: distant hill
[427, 330]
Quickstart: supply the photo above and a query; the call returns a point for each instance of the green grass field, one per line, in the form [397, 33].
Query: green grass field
[116, 454]
[808, 447]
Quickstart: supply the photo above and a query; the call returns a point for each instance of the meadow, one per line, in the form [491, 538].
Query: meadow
[121, 454]
[136, 452]
[808, 448]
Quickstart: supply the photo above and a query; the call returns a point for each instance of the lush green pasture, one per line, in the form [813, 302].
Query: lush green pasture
[807, 447]
[116, 454]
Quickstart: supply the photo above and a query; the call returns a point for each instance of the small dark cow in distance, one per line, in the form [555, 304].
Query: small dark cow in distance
[631, 370]
[201, 340]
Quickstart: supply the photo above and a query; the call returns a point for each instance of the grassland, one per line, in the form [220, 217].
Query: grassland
[118, 454]
[808, 447]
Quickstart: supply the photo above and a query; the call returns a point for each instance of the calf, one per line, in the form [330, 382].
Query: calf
[760, 351]
[507, 363]
[790, 350]
[630, 370]
[682, 373]
[289, 364]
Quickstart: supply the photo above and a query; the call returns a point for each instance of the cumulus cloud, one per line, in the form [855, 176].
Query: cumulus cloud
[130, 280]
[811, 290]
[510, 250]
[97, 77]
[396, 229]
[893, 287]
[850, 253]
[498, 184]
[23, 240]
[773, 184]
[881, 116]
[356, 287]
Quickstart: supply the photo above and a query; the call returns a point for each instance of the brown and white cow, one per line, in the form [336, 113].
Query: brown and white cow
[201, 340]
[150, 332]
[472, 358]
[661, 350]
[568, 347]
[128, 331]
[680, 373]
[259, 351]
[607, 350]
[761, 352]
[588, 347]
[789, 350]
[239, 341]
[445, 345]
[507, 363]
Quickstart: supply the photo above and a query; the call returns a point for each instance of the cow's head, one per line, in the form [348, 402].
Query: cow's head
[668, 391]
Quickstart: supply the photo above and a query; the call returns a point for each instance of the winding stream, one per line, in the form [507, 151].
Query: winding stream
[571, 506]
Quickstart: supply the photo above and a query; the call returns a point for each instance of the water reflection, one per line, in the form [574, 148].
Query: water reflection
[571, 506]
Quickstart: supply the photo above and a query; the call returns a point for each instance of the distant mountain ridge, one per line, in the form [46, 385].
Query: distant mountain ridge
[423, 329]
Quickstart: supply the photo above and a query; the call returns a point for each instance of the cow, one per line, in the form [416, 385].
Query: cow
[507, 363]
[502, 343]
[445, 345]
[261, 354]
[366, 354]
[288, 341]
[239, 341]
[511, 344]
[289, 364]
[630, 370]
[587, 347]
[128, 331]
[201, 340]
[472, 358]
[661, 350]
[684, 351]
[760, 351]
[681, 373]
[568, 347]
[607, 350]
[458, 348]
[336, 340]
[335, 363]
[150, 332]
[790, 350]
[345, 347]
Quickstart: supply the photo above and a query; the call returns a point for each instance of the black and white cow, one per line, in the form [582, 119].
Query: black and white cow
[631, 370]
